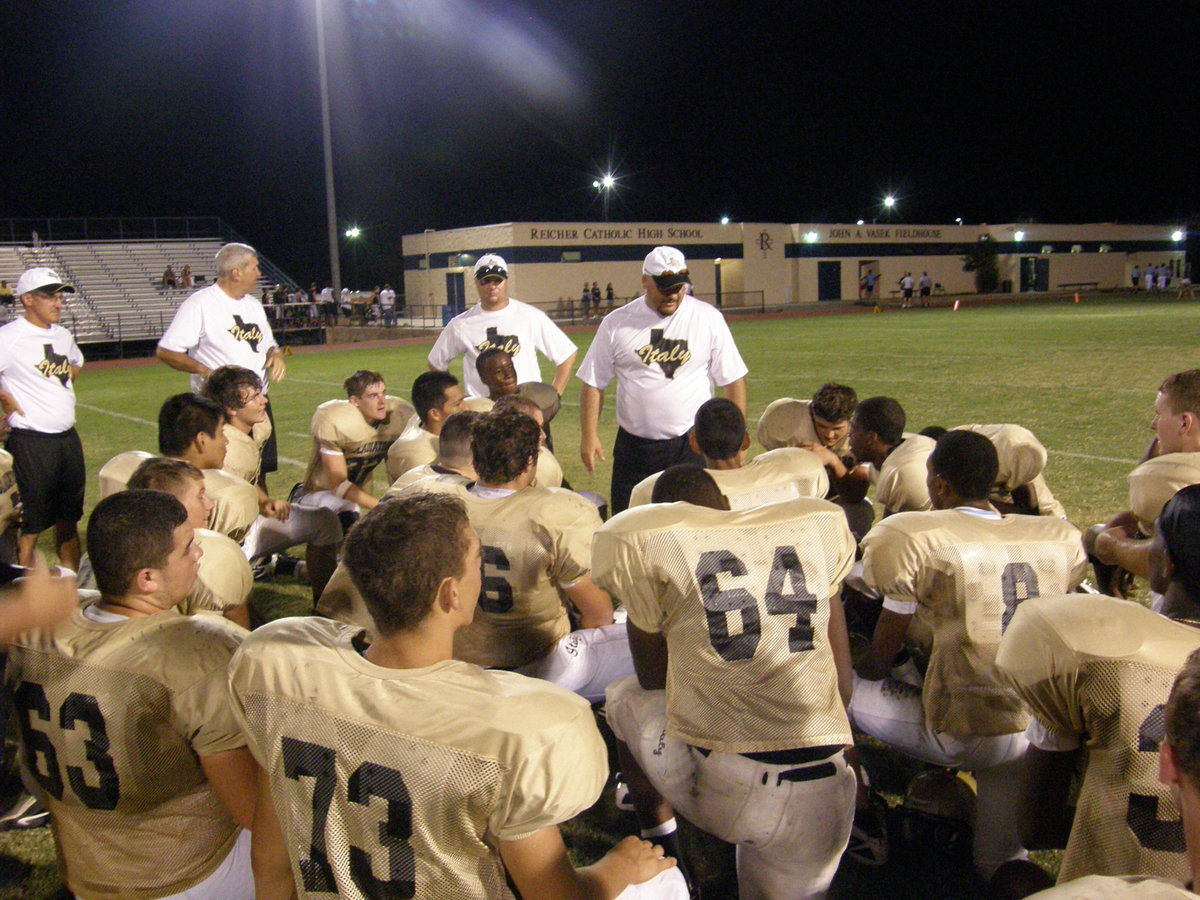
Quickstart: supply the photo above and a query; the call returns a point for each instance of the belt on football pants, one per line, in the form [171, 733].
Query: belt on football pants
[813, 762]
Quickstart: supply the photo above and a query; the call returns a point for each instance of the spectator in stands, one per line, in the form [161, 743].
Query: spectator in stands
[168, 277]
[6, 294]
[185, 276]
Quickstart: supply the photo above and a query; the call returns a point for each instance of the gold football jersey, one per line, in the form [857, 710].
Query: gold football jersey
[415, 447]
[968, 574]
[534, 542]
[783, 474]
[243, 457]
[479, 404]
[400, 782]
[787, 422]
[1099, 670]
[225, 578]
[115, 474]
[900, 481]
[1022, 462]
[742, 600]
[235, 503]
[338, 425]
[412, 476]
[1107, 887]
[10, 500]
[1156, 481]
[549, 473]
[113, 719]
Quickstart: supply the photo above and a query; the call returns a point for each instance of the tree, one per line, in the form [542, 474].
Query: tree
[980, 258]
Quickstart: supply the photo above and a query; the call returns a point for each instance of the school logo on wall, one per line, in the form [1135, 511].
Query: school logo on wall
[766, 243]
[509, 343]
[55, 365]
[251, 333]
[668, 353]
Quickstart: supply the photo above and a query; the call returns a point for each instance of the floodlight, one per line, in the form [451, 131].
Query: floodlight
[724, 220]
[861, 222]
[889, 201]
[811, 237]
[353, 231]
[1019, 235]
[1177, 235]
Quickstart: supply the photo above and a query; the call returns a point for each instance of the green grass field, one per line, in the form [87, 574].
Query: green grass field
[1081, 376]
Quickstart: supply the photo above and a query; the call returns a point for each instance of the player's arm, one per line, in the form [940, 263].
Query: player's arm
[276, 364]
[562, 373]
[594, 605]
[541, 870]
[885, 644]
[1126, 520]
[1122, 547]
[849, 483]
[268, 851]
[275, 509]
[591, 400]
[75, 370]
[9, 404]
[1044, 816]
[649, 652]
[339, 481]
[839, 643]
[182, 362]
[233, 775]
[735, 392]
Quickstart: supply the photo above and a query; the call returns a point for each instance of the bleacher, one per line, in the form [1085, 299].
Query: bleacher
[119, 293]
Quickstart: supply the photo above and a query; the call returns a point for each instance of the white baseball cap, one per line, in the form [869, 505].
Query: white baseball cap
[41, 278]
[667, 267]
[490, 264]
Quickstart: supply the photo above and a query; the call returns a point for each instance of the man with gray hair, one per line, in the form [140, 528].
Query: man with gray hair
[225, 325]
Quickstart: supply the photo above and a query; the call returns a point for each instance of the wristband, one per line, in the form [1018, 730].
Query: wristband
[342, 489]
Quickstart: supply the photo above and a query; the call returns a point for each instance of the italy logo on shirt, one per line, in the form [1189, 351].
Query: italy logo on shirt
[509, 343]
[251, 333]
[668, 353]
[55, 365]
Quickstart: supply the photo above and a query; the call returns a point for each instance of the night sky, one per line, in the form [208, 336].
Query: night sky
[449, 113]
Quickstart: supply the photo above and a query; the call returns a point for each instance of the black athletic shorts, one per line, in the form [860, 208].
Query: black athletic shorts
[50, 477]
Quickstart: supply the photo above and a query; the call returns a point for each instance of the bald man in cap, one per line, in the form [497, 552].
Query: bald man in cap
[519, 329]
[667, 349]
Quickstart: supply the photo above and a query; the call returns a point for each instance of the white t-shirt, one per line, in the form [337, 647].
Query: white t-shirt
[215, 330]
[664, 367]
[35, 367]
[387, 298]
[519, 329]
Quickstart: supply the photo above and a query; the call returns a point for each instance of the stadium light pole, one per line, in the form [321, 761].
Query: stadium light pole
[604, 185]
[335, 268]
[352, 235]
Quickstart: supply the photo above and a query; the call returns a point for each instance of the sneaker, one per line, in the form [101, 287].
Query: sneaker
[868, 844]
[26, 812]
[263, 567]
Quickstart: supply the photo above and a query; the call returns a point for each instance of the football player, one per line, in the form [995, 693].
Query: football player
[224, 580]
[126, 730]
[720, 436]
[956, 574]
[1095, 672]
[1179, 771]
[1020, 487]
[393, 770]
[896, 460]
[453, 462]
[548, 471]
[1171, 462]
[736, 611]
[191, 428]
[239, 393]
[436, 396]
[350, 438]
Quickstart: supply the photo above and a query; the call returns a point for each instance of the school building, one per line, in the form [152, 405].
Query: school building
[766, 264]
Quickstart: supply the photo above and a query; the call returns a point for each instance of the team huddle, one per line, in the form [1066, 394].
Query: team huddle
[477, 623]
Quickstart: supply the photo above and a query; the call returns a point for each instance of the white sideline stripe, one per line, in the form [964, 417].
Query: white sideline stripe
[1111, 459]
[154, 425]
